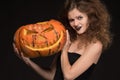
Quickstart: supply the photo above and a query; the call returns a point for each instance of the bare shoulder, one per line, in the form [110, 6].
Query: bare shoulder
[97, 44]
[94, 51]
[95, 47]
[97, 50]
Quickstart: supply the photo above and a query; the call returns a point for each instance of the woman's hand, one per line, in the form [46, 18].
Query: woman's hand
[21, 56]
[47, 74]
[68, 42]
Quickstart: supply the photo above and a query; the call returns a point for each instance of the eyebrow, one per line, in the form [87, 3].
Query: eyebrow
[75, 17]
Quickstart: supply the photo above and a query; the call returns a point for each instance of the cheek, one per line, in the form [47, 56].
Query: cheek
[87, 25]
[71, 24]
[86, 22]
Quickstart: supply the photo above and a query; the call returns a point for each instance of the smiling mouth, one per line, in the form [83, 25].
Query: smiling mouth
[78, 28]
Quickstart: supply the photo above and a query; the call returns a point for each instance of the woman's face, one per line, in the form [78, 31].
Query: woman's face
[78, 21]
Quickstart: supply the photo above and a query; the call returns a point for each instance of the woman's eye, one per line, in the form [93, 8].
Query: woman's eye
[80, 17]
[71, 20]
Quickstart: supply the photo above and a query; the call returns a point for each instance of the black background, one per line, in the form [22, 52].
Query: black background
[15, 13]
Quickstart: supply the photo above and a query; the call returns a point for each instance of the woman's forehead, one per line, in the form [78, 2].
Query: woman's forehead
[75, 12]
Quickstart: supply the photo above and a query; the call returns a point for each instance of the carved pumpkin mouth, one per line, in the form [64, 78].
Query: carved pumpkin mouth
[46, 48]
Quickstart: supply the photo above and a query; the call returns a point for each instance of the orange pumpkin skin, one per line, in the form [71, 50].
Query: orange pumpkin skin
[40, 39]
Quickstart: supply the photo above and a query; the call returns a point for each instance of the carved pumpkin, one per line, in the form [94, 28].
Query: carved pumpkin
[40, 39]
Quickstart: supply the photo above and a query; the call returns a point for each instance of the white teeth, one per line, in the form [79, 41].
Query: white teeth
[78, 27]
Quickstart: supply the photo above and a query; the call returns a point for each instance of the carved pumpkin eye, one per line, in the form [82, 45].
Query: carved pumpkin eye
[50, 28]
[40, 39]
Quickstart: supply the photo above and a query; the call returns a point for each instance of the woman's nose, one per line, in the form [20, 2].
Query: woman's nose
[76, 23]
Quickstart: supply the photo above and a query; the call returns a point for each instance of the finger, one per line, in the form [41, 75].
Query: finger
[16, 50]
[68, 35]
[25, 59]
[17, 53]
[21, 54]
[67, 32]
[14, 47]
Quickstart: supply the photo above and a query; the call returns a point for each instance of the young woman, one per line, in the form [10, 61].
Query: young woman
[87, 27]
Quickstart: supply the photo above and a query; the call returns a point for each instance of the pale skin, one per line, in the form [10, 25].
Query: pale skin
[89, 54]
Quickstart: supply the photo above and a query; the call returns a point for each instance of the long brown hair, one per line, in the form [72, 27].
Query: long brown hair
[99, 18]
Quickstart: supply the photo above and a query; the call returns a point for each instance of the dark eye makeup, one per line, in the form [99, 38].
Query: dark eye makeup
[79, 17]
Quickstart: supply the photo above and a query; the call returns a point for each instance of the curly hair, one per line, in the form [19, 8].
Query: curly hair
[98, 16]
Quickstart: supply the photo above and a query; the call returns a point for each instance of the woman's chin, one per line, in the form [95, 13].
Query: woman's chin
[80, 32]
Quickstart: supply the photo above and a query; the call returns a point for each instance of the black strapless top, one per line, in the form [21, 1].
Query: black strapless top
[72, 58]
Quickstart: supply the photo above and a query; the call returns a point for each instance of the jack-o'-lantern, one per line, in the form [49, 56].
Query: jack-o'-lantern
[40, 39]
